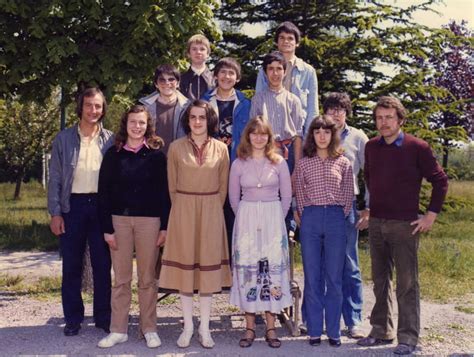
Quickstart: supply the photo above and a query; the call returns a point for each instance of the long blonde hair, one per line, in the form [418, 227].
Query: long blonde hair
[258, 125]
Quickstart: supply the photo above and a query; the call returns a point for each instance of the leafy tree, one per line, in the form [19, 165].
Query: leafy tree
[114, 44]
[453, 72]
[366, 48]
[26, 130]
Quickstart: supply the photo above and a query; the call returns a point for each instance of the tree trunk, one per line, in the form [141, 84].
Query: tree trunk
[445, 156]
[18, 182]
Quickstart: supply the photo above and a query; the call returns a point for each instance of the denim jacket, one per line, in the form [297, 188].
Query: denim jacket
[64, 156]
[239, 120]
[304, 84]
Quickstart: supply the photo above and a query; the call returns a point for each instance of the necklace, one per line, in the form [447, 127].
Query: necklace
[259, 170]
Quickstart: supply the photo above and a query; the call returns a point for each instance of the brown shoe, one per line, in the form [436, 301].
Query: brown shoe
[272, 342]
[247, 341]
[370, 341]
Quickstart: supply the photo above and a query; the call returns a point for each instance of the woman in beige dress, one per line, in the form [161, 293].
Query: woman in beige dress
[196, 257]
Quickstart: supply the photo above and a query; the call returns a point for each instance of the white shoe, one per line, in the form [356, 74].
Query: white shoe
[205, 338]
[112, 339]
[152, 340]
[184, 339]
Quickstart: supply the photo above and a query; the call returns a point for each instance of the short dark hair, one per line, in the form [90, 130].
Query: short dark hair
[166, 69]
[90, 92]
[275, 56]
[325, 122]
[211, 116]
[338, 100]
[230, 63]
[391, 102]
[288, 27]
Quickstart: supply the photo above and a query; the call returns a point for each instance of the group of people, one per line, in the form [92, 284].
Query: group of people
[216, 179]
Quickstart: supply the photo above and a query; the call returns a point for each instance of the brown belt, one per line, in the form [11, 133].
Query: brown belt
[198, 193]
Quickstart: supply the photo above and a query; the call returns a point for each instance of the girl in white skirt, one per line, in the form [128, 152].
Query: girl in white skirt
[260, 195]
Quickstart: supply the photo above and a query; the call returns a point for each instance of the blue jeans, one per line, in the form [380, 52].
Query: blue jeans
[323, 245]
[351, 278]
[81, 225]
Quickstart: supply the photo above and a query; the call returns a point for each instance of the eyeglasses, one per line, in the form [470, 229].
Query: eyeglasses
[335, 111]
[163, 80]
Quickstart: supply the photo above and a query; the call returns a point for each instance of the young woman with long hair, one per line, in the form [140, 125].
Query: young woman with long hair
[134, 206]
[324, 188]
[260, 196]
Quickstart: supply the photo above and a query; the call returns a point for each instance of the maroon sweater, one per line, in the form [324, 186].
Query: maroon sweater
[393, 175]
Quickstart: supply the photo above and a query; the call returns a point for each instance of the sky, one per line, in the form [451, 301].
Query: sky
[449, 10]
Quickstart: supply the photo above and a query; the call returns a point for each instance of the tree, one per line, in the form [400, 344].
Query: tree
[365, 48]
[113, 44]
[26, 130]
[453, 71]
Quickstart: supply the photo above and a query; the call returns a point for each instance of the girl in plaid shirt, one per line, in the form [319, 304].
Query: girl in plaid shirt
[324, 187]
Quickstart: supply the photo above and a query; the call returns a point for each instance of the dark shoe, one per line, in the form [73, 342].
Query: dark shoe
[315, 341]
[103, 326]
[370, 341]
[404, 349]
[272, 342]
[71, 329]
[334, 342]
[247, 341]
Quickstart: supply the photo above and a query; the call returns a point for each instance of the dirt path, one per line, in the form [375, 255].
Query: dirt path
[32, 327]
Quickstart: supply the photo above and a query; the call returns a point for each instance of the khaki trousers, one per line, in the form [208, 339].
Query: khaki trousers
[140, 233]
[393, 245]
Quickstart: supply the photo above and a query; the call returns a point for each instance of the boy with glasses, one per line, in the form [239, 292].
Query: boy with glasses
[166, 104]
[338, 106]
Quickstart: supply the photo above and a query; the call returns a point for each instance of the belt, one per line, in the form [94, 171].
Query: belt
[282, 144]
[198, 193]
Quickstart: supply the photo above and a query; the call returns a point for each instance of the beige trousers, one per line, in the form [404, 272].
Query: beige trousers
[140, 233]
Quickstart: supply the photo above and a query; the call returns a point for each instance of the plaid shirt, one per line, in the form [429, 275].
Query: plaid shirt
[321, 182]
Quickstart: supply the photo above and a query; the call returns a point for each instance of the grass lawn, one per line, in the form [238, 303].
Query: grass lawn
[24, 224]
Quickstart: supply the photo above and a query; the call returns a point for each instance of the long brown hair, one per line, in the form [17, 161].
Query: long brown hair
[324, 122]
[152, 140]
[258, 125]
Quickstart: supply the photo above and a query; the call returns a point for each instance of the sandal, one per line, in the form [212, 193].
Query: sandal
[247, 341]
[272, 342]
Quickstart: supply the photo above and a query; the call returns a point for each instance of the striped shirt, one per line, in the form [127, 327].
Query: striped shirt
[320, 182]
[283, 111]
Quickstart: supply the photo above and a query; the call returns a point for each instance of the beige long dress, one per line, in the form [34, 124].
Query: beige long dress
[196, 257]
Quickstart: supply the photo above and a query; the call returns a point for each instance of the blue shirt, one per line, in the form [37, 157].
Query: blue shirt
[398, 141]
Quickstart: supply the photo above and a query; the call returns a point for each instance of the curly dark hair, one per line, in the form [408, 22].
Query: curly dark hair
[211, 116]
[152, 140]
[275, 56]
[338, 100]
[324, 122]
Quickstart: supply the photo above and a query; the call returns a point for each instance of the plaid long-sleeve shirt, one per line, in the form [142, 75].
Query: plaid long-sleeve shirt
[321, 182]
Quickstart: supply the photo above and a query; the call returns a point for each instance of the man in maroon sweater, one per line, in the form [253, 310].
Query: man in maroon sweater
[395, 164]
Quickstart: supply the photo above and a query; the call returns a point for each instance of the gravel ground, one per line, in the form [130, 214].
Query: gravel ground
[32, 327]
